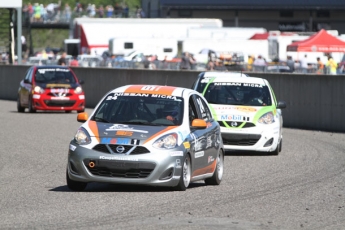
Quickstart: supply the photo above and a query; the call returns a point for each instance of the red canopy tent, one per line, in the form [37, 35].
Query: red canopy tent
[319, 42]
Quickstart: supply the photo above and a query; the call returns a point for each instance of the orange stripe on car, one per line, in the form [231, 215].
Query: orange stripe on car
[207, 169]
[159, 133]
[152, 89]
[94, 129]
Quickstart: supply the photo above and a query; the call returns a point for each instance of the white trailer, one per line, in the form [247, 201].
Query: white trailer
[162, 47]
[245, 47]
[225, 32]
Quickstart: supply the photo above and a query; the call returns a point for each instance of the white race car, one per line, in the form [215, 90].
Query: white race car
[246, 109]
[150, 135]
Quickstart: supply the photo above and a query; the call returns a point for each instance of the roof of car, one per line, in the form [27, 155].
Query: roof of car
[155, 89]
[51, 66]
[250, 80]
[224, 74]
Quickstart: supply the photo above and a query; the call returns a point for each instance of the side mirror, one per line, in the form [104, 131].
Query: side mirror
[281, 105]
[199, 124]
[81, 82]
[82, 117]
[27, 81]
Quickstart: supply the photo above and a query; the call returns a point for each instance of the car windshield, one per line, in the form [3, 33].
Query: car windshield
[142, 109]
[234, 93]
[54, 75]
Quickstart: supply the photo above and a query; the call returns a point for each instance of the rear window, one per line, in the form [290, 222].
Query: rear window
[54, 75]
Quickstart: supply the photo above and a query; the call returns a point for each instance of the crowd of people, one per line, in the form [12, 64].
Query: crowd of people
[55, 12]
[301, 65]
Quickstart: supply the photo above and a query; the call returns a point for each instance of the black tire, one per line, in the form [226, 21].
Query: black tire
[81, 111]
[31, 108]
[218, 172]
[185, 175]
[68, 111]
[20, 108]
[276, 151]
[281, 145]
[75, 185]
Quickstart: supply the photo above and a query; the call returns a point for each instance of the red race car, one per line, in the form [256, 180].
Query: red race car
[53, 88]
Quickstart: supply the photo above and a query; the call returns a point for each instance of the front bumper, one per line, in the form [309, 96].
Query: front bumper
[157, 168]
[263, 138]
[73, 102]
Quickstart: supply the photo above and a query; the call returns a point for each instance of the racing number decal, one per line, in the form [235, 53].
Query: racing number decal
[135, 142]
[111, 98]
[148, 88]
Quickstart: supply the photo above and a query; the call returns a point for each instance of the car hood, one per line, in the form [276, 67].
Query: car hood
[125, 134]
[240, 113]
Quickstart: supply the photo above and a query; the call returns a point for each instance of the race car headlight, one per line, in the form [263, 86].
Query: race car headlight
[82, 137]
[38, 89]
[166, 142]
[78, 90]
[267, 118]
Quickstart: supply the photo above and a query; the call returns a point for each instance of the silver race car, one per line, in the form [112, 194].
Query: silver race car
[149, 135]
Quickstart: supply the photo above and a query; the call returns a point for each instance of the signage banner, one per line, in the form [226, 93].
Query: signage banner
[11, 3]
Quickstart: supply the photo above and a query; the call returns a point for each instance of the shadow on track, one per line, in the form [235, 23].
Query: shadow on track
[107, 187]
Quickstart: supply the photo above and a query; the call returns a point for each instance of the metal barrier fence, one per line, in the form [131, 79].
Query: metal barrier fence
[167, 65]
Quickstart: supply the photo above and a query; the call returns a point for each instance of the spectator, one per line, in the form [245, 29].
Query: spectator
[332, 66]
[100, 11]
[290, 63]
[165, 63]
[24, 47]
[43, 13]
[125, 11]
[37, 13]
[186, 61]
[219, 66]
[320, 66]
[74, 61]
[110, 11]
[259, 64]
[93, 11]
[62, 59]
[250, 62]
[210, 66]
[31, 11]
[67, 12]
[88, 9]
[304, 64]
[78, 9]
[140, 13]
[117, 10]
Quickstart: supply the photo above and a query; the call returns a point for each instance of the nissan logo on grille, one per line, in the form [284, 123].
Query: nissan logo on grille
[233, 124]
[120, 149]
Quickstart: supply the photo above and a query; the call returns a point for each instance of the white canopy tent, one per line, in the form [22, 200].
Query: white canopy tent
[16, 4]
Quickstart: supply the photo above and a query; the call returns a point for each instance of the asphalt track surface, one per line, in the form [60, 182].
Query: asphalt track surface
[302, 188]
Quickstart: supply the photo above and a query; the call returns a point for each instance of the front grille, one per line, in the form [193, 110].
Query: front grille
[101, 148]
[54, 95]
[139, 150]
[246, 125]
[120, 169]
[129, 149]
[240, 139]
[59, 103]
